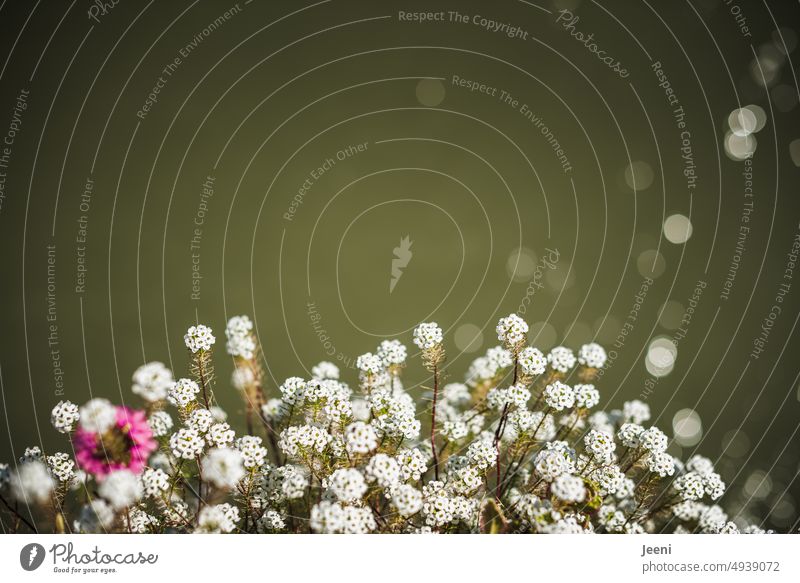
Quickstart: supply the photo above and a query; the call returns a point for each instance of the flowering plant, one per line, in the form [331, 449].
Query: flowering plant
[516, 447]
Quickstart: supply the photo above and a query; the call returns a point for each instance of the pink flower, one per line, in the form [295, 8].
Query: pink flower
[125, 446]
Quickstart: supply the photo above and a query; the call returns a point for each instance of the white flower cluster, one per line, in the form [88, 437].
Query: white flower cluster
[592, 355]
[98, 415]
[335, 518]
[186, 443]
[486, 369]
[392, 353]
[511, 331]
[182, 392]
[513, 448]
[325, 371]
[369, 363]
[241, 342]
[223, 467]
[304, 441]
[160, 423]
[64, 416]
[532, 361]
[199, 338]
[559, 396]
[152, 381]
[561, 358]
[154, 482]
[427, 335]
[121, 489]
[61, 467]
[220, 518]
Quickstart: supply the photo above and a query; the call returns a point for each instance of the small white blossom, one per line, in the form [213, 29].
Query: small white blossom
[186, 443]
[360, 437]
[729, 528]
[701, 465]
[661, 463]
[586, 396]
[592, 355]
[121, 489]
[601, 421]
[332, 518]
[151, 381]
[713, 485]
[200, 419]
[325, 370]
[270, 521]
[160, 423]
[625, 489]
[61, 466]
[609, 477]
[383, 469]
[182, 392]
[272, 410]
[369, 363]
[392, 353]
[559, 396]
[438, 508]
[688, 510]
[137, 521]
[253, 453]
[361, 409]
[511, 330]
[223, 467]
[712, 519]
[242, 377]
[31, 454]
[221, 518]
[240, 338]
[600, 445]
[220, 435]
[199, 338]
[753, 529]
[300, 441]
[407, 500]
[64, 416]
[566, 525]
[561, 359]
[94, 517]
[98, 415]
[690, 486]
[481, 454]
[653, 440]
[629, 434]
[456, 394]
[289, 482]
[635, 411]
[554, 461]
[569, 488]
[154, 482]
[499, 357]
[465, 481]
[532, 361]
[347, 484]
[293, 390]
[427, 335]
[543, 425]
[518, 395]
[413, 463]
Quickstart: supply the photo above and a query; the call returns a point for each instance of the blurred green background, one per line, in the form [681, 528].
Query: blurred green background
[364, 112]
